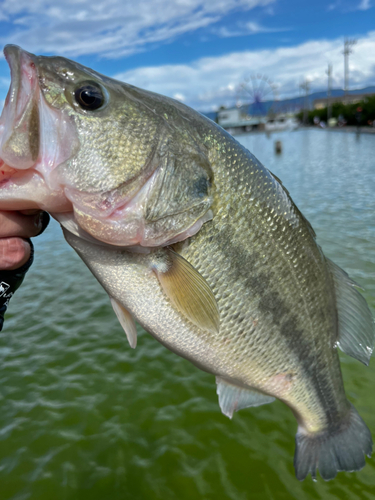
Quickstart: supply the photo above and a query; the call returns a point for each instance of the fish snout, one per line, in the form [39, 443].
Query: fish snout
[19, 122]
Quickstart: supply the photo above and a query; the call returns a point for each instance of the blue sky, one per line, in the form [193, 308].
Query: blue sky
[199, 51]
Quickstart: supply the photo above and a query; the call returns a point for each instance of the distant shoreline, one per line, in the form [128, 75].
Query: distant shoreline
[346, 129]
[350, 128]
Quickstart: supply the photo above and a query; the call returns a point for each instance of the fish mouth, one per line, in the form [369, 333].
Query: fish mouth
[34, 139]
[19, 121]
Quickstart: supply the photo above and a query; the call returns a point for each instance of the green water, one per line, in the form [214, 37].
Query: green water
[83, 416]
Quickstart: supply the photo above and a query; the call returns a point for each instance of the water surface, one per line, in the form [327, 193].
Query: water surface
[84, 416]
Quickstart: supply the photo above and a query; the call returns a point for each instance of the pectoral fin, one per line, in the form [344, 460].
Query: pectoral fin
[126, 321]
[233, 398]
[187, 289]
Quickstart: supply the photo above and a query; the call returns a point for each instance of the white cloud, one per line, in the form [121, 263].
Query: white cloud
[116, 27]
[250, 28]
[364, 5]
[210, 82]
[4, 82]
[333, 6]
[179, 97]
[257, 28]
[348, 6]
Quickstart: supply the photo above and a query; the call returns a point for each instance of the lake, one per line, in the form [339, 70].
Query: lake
[83, 416]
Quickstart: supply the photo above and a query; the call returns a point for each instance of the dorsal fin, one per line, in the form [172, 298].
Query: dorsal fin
[289, 208]
[355, 321]
[290, 205]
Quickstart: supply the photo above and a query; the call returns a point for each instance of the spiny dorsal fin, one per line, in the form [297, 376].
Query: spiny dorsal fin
[233, 398]
[126, 321]
[292, 206]
[187, 289]
[356, 325]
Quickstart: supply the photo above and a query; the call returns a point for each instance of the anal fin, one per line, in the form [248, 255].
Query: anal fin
[126, 321]
[233, 398]
[355, 321]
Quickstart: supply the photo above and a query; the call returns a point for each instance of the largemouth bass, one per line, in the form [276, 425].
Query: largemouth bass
[196, 240]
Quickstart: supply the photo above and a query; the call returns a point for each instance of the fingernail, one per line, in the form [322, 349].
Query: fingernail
[42, 221]
[38, 220]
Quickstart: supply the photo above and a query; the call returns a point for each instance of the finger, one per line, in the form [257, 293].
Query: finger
[21, 225]
[44, 216]
[14, 253]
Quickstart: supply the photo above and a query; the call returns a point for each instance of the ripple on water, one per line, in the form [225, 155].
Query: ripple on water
[83, 415]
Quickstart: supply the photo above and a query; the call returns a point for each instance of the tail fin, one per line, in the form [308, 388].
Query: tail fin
[341, 448]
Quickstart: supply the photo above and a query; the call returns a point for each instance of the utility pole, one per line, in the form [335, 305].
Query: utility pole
[305, 85]
[348, 44]
[329, 103]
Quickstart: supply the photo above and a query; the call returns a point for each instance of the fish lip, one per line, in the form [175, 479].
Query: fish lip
[12, 57]
[23, 92]
[18, 60]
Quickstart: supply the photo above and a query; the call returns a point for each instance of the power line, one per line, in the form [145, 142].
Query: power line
[348, 44]
[305, 85]
[329, 103]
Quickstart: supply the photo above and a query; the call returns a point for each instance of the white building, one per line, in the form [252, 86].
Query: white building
[236, 119]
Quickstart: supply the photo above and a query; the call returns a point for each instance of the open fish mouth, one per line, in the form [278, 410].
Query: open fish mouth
[44, 127]
[19, 122]
[29, 150]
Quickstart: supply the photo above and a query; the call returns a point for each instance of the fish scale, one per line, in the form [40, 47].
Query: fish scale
[192, 237]
[236, 234]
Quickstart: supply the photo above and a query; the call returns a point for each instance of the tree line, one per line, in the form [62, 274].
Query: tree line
[361, 113]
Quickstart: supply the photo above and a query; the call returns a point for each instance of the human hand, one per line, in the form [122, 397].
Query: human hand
[16, 251]
[14, 228]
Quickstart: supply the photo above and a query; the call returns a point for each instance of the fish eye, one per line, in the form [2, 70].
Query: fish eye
[89, 96]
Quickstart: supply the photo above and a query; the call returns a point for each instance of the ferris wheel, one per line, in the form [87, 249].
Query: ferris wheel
[259, 92]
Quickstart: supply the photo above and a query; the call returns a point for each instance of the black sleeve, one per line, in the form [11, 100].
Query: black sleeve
[10, 281]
